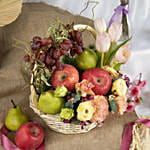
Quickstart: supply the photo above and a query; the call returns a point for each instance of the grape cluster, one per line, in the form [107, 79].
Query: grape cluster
[46, 51]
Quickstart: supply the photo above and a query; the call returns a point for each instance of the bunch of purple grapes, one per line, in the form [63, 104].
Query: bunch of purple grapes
[46, 51]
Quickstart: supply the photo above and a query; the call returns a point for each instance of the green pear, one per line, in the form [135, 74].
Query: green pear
[50, 104]
[88, 59]
[15, 118]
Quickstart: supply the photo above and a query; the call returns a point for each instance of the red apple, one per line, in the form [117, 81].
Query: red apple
[100, 79]
[29, 136]
[68, 77]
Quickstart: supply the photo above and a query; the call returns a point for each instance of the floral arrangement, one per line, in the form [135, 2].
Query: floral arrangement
[82, 85]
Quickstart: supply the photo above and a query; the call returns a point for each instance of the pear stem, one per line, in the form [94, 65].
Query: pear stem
[13, 103]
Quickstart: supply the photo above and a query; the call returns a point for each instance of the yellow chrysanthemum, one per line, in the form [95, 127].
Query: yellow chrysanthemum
[85, 111]
[119, 87]
[110, 70]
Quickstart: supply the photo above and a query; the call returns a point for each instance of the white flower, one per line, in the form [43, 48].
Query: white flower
[103, 42]
[115, 31]
[100, 25]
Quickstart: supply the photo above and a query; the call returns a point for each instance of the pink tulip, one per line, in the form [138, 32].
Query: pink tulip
[103, 42]
[100, 25]
[115, 31]
[123, 54]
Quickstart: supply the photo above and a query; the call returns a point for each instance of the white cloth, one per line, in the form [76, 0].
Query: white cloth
[139, 16]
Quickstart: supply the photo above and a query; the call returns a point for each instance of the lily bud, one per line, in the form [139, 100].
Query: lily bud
[115, 31]
[123, 54]
[100, 25]
[103, 42]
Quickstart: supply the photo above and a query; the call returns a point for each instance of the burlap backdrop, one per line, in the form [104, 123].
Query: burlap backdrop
[35, 20]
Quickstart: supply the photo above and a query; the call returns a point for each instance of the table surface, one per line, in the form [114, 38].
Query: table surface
[35, 20]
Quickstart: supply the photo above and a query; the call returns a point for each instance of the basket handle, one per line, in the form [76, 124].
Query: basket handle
[33, 96]
[83, 27]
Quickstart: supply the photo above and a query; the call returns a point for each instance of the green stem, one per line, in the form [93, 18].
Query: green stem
[109, 52]
[102, 59]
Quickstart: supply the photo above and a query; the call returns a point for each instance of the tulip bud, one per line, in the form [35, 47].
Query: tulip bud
[100, 25]
[123, 54]
[103, 42]
[115, 31]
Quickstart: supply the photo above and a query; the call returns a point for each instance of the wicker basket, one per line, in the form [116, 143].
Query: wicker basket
[53, 120]
[9, 11]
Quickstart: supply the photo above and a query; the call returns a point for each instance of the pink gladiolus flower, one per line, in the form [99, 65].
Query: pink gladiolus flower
[102, 42]
[130, 107]
[123, 54]
[115, 31]
[135, 91]
[100, 25]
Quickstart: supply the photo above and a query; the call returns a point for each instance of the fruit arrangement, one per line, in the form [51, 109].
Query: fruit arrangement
[19, 133]
[74, 88]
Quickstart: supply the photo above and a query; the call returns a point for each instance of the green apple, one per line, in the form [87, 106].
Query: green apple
[50, 104]
[88, 59]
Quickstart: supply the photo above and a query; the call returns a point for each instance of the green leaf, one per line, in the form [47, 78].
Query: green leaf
[75, 122]
[113, 105]
[92, 46]
[69, 105]
[45, 80]
[68, 60]
[18, 42]
[115, 51]
[78, 97]
[140, 98]
[99, 59]
[117, 67]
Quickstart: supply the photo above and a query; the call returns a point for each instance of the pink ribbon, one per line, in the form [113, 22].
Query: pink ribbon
[9, 145]
[127, 136]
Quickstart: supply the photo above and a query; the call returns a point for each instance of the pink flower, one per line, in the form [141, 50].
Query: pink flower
[115, 31]
[101, 106]
[135, 91]
[142, 83]
[123, 54]
[102, 42]
[100, 25]
[130, 107]
[136, 101]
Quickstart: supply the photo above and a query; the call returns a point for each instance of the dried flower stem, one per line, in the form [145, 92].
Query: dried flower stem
[87, 4]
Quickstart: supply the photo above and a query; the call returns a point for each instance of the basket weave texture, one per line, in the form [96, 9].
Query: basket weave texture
[53, 120]
[9, 11]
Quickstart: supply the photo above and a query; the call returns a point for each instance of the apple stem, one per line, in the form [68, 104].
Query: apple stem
[13, 103]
